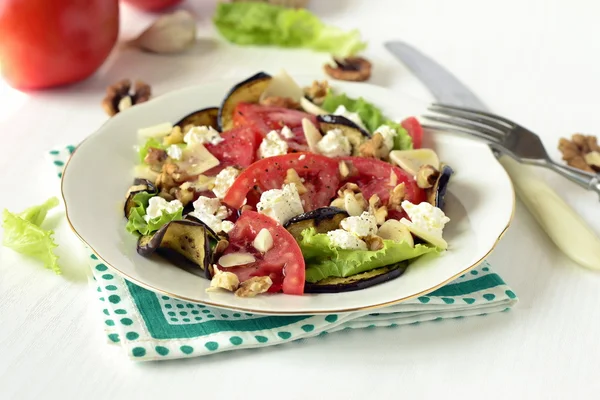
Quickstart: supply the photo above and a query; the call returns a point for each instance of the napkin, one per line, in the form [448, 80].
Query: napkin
[153, 326]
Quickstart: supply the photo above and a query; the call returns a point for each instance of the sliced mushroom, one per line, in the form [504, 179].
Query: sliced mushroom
[355, 69]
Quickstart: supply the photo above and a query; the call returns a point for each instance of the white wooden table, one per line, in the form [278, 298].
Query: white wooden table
[537, 62]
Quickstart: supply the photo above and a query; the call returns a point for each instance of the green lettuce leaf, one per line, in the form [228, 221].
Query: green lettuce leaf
[137, 223]
[371, 116]
[263, 24]
[23, 234]
[324, 260]
[152, 142]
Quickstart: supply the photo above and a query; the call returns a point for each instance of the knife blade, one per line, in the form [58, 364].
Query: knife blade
[567, 230]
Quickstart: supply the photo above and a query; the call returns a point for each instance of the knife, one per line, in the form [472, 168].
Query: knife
[569, 232]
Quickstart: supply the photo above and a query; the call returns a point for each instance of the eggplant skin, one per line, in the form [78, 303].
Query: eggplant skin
[205, 117]
[139, 185]
[358, 281]
[436, 195]
[188, 239]
[331, 121]
[323, 219]
[355, 134]
[247, 91]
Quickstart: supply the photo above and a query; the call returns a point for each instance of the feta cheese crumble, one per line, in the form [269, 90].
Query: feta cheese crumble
[388, 133]
[426, 221]
[287, 132]
[224, 180]
[157, 206]
[346, 240]
[272, 145]
[334, 144]
[203, 135]
[175, 152]
[281, 204]
[212, 213]
[354, 117]
[362, 226]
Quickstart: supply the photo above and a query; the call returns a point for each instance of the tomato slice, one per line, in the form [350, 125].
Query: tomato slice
[374, 177]
[267, 118]
[415, 130]
[238, 149]
[320, 176]
[283, 263]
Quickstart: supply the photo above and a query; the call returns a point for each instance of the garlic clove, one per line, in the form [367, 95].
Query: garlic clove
[171, 33]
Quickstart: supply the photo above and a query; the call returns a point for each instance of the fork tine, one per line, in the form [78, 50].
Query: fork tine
[469, 125]
[455, 129]
[466, 116]
[473, 111]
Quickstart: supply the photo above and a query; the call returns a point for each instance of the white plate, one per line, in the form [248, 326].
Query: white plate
[480, 204]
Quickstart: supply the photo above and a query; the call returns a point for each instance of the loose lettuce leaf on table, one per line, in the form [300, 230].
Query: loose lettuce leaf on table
[262, 24]
[324, 260]
[137, 223]
[371, 116]
[23, 234]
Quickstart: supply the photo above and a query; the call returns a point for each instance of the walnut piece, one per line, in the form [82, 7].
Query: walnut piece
[347, 169]
[317, 91]
[374, 243]
[170, 177]
[175, 137]
[184, 193]
[120, 96]
[223, 280]
[277, 101]
[350, 199]
[579, 152]
[292, 176]
[374, 148]
[397, 197]
[356, 69]
[376, 209]
[352, 187]
[155, 157]
[253, 286]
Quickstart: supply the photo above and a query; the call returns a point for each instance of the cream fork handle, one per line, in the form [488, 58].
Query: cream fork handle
[563, 225]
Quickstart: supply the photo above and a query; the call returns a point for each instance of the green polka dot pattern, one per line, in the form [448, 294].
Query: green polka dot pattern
[122, 319]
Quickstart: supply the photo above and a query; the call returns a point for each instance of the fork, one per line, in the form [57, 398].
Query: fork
[506, 137]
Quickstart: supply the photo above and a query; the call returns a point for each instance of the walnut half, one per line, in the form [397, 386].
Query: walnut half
[581, 152]
[120, 96]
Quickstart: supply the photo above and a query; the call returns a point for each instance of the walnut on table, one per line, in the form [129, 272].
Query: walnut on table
[120, 96]
[581, 152]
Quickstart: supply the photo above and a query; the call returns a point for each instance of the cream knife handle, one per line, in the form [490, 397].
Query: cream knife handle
[563, 225]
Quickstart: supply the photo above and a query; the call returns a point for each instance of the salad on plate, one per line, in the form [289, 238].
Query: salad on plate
[288, 189]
